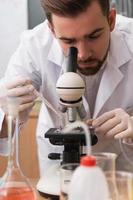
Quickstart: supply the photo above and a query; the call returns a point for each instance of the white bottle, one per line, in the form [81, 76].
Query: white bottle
[88, 182]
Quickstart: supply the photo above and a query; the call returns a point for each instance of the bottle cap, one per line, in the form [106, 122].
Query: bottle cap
[88, 161]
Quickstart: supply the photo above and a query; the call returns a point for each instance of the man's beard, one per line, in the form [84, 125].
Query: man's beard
[91, 70]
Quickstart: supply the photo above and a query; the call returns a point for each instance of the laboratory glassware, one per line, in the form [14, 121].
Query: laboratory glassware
[14, 185]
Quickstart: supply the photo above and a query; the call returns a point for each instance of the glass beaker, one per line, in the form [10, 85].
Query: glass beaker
[107, 162]
[66, 171]
[124, 185]
[14, 185]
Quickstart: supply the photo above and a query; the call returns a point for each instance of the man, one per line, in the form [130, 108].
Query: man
[105, 62]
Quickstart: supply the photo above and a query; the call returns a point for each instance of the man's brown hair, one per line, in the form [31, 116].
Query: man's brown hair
[71, 7]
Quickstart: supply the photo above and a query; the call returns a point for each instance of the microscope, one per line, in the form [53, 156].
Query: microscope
[70, 88]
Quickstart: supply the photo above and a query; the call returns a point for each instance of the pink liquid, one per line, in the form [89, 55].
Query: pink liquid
[17, 193]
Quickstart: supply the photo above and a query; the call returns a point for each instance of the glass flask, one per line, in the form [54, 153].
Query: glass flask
[14, 185]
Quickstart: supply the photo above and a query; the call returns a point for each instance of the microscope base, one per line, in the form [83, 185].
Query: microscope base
[49, 196]
[49, 186]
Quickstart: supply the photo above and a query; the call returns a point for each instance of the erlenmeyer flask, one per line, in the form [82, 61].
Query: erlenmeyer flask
[14, 185]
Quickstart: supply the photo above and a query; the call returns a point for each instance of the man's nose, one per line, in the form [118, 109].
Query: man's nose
[84, 51]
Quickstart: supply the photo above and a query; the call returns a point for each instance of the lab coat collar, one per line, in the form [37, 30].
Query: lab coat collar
[55, 54]
[119, 55]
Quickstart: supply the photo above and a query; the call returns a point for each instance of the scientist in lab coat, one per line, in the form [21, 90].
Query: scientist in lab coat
[105, 62]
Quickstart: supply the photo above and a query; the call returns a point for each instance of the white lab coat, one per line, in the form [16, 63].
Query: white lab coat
[40, 57]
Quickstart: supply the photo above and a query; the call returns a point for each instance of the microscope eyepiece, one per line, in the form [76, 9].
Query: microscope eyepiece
[72, 60]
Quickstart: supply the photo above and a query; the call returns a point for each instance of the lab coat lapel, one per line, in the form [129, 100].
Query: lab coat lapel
[112, 74]
[56, 54]
[111, 78]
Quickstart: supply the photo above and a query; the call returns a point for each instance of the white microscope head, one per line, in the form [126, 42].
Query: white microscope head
[70, 87]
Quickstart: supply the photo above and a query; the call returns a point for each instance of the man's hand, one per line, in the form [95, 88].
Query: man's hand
[22, 88]
[114, 124]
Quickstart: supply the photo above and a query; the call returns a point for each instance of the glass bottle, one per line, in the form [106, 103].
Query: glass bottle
[14, 185]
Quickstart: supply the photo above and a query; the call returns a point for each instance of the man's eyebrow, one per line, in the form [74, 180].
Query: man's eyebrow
[88, 35]
[96, 31]
[65, 38]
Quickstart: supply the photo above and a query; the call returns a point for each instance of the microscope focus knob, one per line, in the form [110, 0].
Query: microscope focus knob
[70, 87]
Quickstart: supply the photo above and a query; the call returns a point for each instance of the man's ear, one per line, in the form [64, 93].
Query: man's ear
[112, 19]
[51, 28]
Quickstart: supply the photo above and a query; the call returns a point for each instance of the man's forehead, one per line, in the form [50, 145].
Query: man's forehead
[81, 28]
